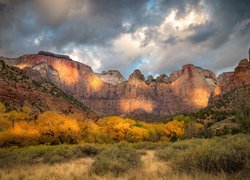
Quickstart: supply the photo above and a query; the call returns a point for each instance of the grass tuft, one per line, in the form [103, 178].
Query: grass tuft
[116, 160]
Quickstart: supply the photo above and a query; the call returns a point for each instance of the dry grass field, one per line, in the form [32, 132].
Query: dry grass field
[183, 160]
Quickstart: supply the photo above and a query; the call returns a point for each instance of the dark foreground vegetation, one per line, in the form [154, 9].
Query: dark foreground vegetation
[227, 155]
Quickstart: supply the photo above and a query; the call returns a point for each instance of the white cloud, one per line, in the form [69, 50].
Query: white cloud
[147, 44]
[37, 40]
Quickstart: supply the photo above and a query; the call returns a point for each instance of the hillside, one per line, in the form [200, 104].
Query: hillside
[16, 90]
[230, 113]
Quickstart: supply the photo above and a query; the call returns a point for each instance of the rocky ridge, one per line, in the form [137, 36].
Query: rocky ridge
[16, 90]
[188, 89]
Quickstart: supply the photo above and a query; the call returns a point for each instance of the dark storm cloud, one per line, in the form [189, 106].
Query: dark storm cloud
[102, 21]
[28, 26]
[202, 33]
[227, 15]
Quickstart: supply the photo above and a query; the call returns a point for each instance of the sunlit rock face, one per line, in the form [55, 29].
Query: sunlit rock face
[57, 69]
[188, 89]
[17, 90]
[240, 77]
[112, 76]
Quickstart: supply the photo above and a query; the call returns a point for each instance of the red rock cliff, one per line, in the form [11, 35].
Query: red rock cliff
[188, 89]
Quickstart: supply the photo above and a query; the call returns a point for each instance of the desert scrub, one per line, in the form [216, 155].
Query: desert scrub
[116, 160]
[151, 145]
[229, 154]
[90, 149]
[45, 154]
[175, 149]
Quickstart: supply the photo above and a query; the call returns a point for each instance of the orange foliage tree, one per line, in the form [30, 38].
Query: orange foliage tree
[175, 129]
[56, 128]
[21, 128]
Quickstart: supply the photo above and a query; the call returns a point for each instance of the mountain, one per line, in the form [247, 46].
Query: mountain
[241, 76]
[188, 89]
[16, 90]
[229, 113]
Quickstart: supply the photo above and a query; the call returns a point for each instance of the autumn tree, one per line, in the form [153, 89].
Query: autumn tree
[56, 128]
[22, 134]
[175, 129]
[2, 108]
[123, 129]
[193, 129]
[93, 133]
[4, 123]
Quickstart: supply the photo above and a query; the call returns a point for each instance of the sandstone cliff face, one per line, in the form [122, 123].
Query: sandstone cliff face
[16, 89]
[184, 90]
[241, 76]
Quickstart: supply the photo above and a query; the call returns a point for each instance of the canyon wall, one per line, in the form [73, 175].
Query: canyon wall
[188, 89]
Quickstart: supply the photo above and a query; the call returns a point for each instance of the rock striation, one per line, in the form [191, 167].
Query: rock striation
[16, 90]
[240, 77]
[188, 89]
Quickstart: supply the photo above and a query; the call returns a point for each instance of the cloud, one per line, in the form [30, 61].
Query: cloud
[156, 36]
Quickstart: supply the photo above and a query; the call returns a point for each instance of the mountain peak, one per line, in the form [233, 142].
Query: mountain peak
[137, 75]
[50, 54]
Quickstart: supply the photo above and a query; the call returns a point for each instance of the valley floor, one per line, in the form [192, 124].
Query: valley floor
[152, 168]
[219, 158]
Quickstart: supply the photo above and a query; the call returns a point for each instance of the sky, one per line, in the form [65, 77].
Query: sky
[155, 36]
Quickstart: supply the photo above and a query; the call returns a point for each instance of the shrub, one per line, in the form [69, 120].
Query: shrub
[177, 148]
[56, 159]
[228, 154]
[90, 149]
[116, 160]
[151, 145]
[46, 154]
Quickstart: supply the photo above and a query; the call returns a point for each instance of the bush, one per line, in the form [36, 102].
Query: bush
[56, 159]
[176, 149]
[228, 154]
[46, 154]
[90, 149]
[116, 160]
[151, 145]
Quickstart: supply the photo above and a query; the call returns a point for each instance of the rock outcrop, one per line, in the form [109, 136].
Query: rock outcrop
[188, 89]
[111, 76]
[240, 77]
[16, 89]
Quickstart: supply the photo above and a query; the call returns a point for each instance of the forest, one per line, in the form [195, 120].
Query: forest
[22, 128]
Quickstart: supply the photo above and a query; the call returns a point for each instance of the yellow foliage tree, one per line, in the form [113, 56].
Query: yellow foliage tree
[57, 128]
[175, 129]
[93, 133]
[2, 108]
[123, 129]
[139, 134]
[15, 116]
[22, 134]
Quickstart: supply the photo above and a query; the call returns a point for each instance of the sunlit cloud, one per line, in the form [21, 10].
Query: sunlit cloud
[122, 34]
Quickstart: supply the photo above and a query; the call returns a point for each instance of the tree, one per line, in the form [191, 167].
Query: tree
[193, 129]
[181, 117]
[15, 116]
[22, 134]
[57, 128]
[93, 133]
[2, 108]
[175, 129]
